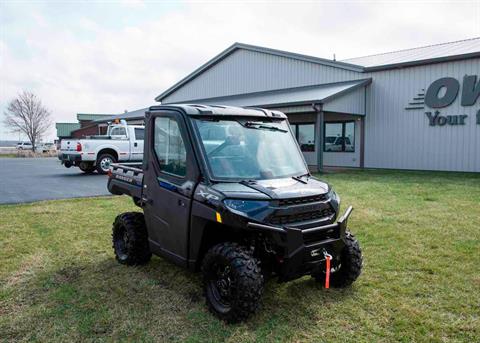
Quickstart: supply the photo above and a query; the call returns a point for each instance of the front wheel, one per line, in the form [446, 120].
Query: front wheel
[351, 263]
[233, 282]
[104, 162]
[130, 239]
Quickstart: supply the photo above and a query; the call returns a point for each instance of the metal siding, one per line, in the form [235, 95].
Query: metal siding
[352, 103]
[403, 139]
[394, 137]
[65, 129]
[247, 71]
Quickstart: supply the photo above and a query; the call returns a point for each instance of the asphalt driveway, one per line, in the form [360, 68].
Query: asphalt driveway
[34, 179]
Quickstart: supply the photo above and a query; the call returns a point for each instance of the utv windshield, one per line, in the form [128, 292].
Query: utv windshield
[250, 149]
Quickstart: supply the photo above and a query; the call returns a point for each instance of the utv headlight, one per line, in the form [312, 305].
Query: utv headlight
[333, 195]
[247, 207]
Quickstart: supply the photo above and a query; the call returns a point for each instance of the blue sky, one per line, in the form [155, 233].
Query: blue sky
[108, 56]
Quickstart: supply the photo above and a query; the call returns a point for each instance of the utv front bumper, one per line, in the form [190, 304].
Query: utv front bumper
[305, 249]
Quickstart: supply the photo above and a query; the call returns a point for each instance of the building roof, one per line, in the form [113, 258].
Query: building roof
[290, 96]
[468, 48]
[237, 46]
[131, 115]
[65, 129]
[427, 54]
[92, 116]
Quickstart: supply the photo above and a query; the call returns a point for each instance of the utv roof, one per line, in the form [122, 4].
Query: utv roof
[219, 110]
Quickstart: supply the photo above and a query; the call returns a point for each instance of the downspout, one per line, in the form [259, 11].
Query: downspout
[318, 108]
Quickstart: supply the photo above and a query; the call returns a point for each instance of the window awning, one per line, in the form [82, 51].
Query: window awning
[307, 95]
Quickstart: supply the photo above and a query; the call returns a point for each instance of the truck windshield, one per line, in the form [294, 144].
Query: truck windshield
[250, 149]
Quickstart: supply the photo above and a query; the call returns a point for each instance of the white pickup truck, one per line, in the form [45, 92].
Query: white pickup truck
[122, 143]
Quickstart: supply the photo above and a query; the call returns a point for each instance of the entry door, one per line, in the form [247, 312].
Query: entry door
[169, 177]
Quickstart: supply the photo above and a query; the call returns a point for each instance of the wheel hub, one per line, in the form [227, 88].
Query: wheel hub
[105, 163]
[222, 285]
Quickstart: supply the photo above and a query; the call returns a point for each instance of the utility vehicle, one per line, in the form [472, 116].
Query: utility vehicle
[226, 190]
[24, 146]
[122, 143]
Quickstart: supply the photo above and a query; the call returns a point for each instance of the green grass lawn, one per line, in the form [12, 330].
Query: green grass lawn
[420, 234]
[9, 155]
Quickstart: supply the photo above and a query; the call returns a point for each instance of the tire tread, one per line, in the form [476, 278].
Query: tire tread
[249, 280]
[138, 248]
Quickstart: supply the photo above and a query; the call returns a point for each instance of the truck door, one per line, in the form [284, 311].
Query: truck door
[118, 134]
[170, 174]
[137, 144]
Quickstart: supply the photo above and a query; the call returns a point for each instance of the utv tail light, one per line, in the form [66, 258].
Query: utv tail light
[79, 147]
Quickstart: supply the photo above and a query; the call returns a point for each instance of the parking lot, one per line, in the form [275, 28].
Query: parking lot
[34, 179]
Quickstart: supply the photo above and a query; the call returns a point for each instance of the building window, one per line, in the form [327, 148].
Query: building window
[169, 147]
[305, 135]
[339, 137]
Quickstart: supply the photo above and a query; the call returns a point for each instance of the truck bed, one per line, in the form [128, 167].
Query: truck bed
[126, 179]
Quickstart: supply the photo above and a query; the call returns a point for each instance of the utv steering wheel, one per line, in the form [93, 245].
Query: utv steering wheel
[231, 140]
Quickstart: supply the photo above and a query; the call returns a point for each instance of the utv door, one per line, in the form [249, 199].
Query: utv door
[170, 172]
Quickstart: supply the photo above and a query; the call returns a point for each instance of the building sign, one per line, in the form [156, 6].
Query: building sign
[442, 93]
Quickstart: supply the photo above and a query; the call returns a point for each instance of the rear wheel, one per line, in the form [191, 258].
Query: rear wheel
[86, 167]
[351, 260]
[233, 282]
[130, 239]
[104, 162]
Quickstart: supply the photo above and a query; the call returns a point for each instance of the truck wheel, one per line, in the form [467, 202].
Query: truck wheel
[103, 163]
[130, 239]
[86, 167]
[233, 282]
[351, 264]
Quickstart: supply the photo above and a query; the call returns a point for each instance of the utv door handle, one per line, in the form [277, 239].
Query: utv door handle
[181, 203]
[135, 144]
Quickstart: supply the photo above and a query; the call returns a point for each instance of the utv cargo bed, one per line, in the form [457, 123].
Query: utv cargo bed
[126, 179]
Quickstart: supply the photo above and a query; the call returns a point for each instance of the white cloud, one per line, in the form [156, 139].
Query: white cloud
[132, 3]
[90, 65]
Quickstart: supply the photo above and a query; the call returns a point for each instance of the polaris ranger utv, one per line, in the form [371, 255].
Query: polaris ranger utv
[226, 190]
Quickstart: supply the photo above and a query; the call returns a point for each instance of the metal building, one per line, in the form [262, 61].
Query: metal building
[411, 109]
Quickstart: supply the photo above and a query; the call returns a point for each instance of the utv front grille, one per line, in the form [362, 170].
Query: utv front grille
[303, 200]
[301, 217]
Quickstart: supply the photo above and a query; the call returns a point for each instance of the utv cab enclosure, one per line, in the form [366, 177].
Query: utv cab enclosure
[226, 190]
